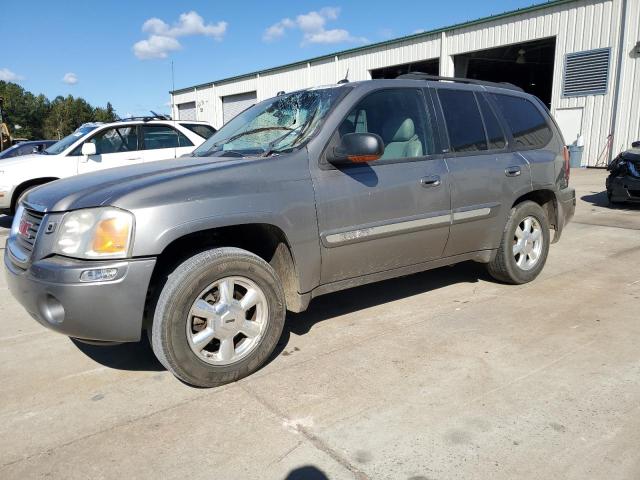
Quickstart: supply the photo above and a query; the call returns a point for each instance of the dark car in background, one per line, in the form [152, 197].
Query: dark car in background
[26, 148]
[623, 183]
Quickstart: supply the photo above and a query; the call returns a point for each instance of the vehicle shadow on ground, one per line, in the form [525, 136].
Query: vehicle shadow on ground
[354, 299]
[600, 200]
[5, 221]
[126, 356]
[140, 357]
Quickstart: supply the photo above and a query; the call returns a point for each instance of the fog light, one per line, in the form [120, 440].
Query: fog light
[99, 275]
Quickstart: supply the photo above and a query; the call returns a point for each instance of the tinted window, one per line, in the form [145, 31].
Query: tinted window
[464, 124]
[495, 135]
[161, 136]
[27, 149]
[115, 140]
[399, 117]
[529, 127]
[205, 131]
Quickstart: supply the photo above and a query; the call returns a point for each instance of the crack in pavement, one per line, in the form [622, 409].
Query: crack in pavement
[311, 437]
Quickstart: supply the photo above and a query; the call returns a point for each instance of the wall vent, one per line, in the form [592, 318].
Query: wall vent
[586, 73]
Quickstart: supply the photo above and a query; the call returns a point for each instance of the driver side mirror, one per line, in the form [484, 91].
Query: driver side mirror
[357, 148]
[635, 144]
[88, 149]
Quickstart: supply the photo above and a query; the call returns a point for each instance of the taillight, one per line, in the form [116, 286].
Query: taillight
[567, 163]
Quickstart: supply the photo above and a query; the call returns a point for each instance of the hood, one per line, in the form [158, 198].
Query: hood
[147, 184]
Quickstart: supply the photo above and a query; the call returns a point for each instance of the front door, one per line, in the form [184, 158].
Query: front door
[115, 147]
[486, 177]
[392, 212]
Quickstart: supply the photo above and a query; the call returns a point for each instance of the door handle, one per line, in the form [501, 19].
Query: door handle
[133, 159]
[430, 181]
[513, 171]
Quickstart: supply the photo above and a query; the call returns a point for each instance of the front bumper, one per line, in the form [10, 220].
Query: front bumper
[566, 201]
[51, 292]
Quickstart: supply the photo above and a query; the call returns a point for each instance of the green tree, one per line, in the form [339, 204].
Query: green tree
[105, 114]
[39, 118]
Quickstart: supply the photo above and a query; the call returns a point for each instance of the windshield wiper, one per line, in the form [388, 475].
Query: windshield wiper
[214, 147]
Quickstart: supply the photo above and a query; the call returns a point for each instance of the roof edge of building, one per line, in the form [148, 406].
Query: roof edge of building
[498, 16]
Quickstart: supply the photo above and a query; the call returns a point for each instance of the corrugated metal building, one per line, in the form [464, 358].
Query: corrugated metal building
[581, 57]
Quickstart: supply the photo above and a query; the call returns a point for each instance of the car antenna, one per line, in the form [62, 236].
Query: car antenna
[345, 79]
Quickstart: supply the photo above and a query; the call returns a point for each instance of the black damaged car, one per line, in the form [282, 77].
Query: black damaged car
[623, 183]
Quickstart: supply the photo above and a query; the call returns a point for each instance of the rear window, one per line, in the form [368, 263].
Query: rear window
[205, 131]
[529, 127]
[464, 123]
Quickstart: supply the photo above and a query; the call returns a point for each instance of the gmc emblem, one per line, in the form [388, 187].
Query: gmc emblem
[23, 229]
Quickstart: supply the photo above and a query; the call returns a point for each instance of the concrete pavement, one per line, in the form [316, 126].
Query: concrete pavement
[439, 375]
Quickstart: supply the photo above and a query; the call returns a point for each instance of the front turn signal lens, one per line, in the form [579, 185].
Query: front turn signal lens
[112, 236]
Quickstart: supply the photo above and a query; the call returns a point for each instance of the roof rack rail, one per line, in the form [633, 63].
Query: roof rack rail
[472, 81]
[144, 118]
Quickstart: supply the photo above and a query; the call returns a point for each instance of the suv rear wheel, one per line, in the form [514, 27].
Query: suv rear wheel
[218, 317]
[524, 246]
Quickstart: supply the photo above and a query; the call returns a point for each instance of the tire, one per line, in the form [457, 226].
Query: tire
[20, 196]
[515, 269]
[175, 328]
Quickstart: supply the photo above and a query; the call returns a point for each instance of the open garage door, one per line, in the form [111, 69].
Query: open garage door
[430, 67]
[232, 105]
[187, 111]
[528, 65]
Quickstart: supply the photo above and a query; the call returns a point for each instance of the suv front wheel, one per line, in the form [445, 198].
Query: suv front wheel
[524, 246]
[218, 317]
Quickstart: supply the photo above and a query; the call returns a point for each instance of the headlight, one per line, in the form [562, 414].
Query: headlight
[95, 233]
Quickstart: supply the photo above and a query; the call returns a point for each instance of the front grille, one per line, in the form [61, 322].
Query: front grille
[28, 230]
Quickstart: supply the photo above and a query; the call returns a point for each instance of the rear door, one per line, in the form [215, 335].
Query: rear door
[392, 212]
[115, 147]
[163, 142]
[486, 176]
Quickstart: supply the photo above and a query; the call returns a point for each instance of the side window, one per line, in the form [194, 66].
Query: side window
[529, 127]
[495, 135]
[161, 136]
[205, 131]
[27, 149]
[399, 117]
[464, 123]
[116, 140]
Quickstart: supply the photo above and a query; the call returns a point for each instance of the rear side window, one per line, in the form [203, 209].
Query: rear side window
[399, 117]
[464, 123]
[529, 127]
[205, 131]
[161, 136]
[495, 135]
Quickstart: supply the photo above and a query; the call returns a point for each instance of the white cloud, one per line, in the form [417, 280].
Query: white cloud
[313, 28]
[9, 76]
[70, 78]
[156, 46]
[163, 38]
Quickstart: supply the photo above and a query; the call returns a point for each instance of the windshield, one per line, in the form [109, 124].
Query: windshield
[273, 126]
[69, 140]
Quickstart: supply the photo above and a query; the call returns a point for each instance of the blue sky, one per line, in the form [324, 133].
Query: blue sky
[120, 51]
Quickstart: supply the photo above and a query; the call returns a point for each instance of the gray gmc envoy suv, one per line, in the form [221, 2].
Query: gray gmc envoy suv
[303, 194]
